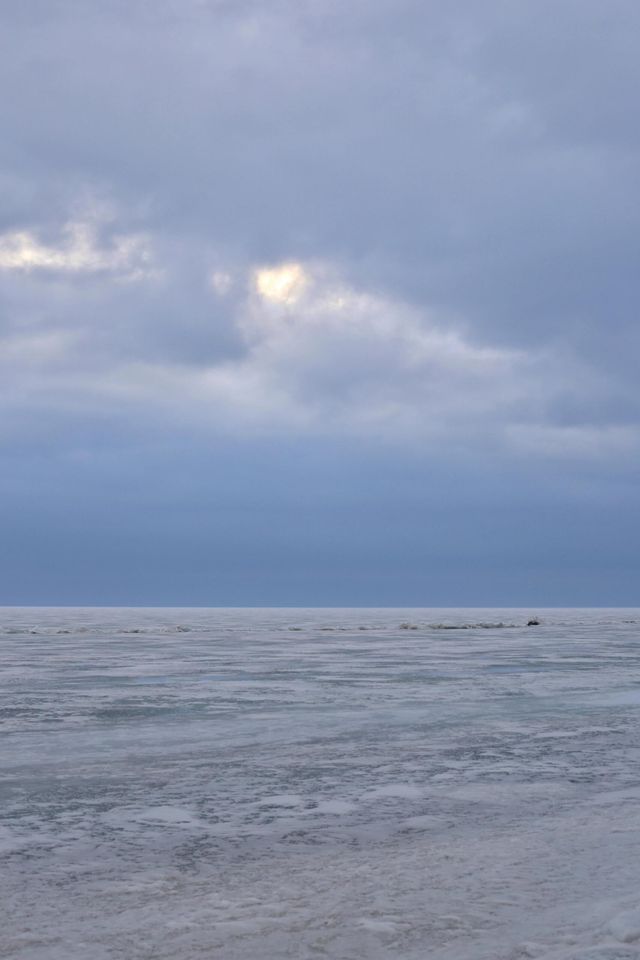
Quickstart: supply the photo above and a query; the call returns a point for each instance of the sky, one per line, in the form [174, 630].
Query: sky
[308, 302]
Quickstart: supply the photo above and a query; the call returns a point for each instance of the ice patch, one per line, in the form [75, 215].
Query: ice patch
[334, 806]
[605, 952]
[405, 791]
[377, 926]
[424, 822]
[162, 815]
[10, 842]
[621, 698]
[323, 792]
[625, 927]
[616, 797]
[282, 800]
[504, 793]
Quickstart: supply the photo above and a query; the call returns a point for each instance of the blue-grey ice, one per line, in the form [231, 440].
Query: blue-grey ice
[243, 784]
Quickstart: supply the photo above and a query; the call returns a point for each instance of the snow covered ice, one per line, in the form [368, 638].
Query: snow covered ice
[347, 784]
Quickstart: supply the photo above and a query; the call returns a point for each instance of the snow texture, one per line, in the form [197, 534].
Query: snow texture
[320, 783]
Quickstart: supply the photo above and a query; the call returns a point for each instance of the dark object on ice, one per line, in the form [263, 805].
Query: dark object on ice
[534, 622]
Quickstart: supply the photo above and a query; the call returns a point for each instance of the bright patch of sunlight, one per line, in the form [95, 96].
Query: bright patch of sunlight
[282, 284]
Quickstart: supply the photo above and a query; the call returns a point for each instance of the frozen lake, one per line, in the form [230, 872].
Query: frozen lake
[346, 784]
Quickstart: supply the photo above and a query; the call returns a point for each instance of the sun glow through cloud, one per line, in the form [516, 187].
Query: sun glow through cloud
[281, 284]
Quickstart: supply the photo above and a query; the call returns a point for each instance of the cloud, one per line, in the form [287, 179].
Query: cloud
[367, 217]
[315, 356]
[78, 251]
[356, 360]
[380, 255]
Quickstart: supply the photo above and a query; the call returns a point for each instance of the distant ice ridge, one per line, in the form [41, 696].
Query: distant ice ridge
[406, 625]
[188, 783]
[160, 622]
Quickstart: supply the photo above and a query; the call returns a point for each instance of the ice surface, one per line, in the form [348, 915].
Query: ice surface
[626, 926]
[316, 783]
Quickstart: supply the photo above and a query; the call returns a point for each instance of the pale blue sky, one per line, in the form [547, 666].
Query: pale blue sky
[313, 302]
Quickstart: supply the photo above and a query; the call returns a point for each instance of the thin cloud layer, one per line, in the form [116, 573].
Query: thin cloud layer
[78, 251]
[314, 355]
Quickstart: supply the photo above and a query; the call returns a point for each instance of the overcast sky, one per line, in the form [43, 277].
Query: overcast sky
[320, 302]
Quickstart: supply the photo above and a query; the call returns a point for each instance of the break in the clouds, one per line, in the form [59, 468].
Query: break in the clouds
[402, 227]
